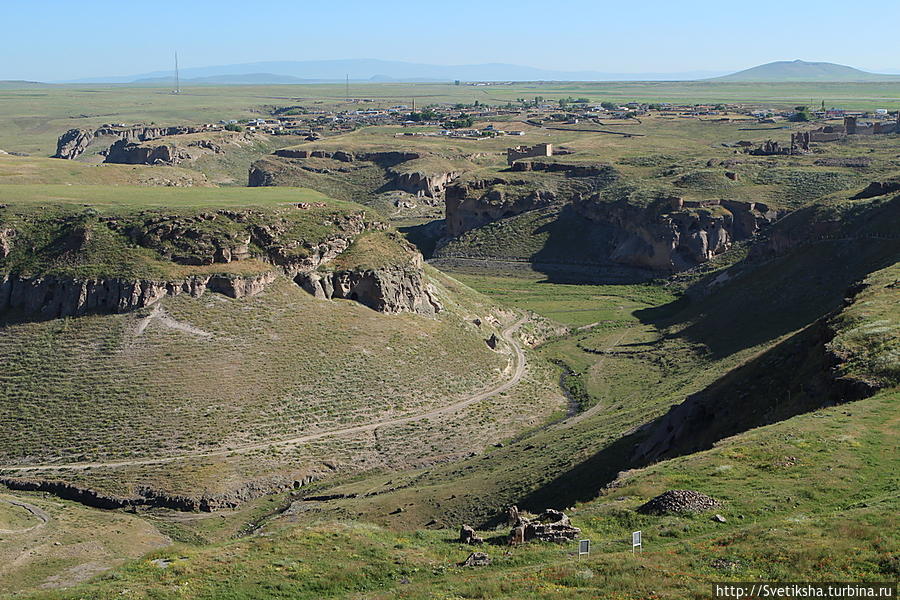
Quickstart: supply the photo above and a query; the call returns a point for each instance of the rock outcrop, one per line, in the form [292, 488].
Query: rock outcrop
[679, 237]
[426, 184]
[74, 142]
[476, 203]
[209, 239]
[6, 240]
[151, 498]
[125, 152]
[467, 535]
[471, 203]
[388, 290]
[52, 297]
[476, 559]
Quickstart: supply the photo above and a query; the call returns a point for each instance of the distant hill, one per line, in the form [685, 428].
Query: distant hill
[383, 70]
[19, 84]
[800, 70]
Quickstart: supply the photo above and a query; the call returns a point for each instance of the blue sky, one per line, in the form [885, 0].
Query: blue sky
[55, 40]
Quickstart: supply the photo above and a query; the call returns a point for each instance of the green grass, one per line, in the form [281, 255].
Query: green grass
[807, 499]
[113, 199]
[33, 117]
[571, 305]
[97, 231]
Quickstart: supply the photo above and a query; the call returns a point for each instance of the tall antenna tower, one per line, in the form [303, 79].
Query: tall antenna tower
[347, 88]
[177, 89]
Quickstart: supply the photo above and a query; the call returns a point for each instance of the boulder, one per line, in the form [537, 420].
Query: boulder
[476, 559]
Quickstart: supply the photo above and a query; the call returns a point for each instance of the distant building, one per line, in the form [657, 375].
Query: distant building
[520, 152]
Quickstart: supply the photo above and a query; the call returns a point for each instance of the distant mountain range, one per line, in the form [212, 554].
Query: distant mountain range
[799, 70]
[372, 70]
[323, 71]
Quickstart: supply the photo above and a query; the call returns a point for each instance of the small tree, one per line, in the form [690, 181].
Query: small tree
[609, 105]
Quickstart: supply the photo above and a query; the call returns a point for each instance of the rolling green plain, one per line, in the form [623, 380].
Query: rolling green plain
[32, 117]
[203, 395]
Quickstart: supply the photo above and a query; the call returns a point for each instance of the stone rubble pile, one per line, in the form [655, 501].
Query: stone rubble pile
[678, 501]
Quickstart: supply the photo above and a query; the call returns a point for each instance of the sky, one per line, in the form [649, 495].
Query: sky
[53, 40]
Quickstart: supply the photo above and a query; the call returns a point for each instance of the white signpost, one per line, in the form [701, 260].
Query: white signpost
[636, 541]
[584, 547]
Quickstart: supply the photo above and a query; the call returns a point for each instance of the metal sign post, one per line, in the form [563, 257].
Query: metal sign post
[584, 547]
[636, 541]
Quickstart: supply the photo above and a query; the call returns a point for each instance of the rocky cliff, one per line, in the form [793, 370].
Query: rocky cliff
[54, 296]
[74, 142]
[239, 253]
[479, 202]
[529, 185]
[285, 166]
[389, 289]
[669, 236]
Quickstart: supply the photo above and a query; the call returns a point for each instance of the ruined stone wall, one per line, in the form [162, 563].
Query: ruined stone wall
[520, 152]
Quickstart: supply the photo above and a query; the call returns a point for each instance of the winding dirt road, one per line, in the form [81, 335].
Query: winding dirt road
[518, 373]
[42, 517]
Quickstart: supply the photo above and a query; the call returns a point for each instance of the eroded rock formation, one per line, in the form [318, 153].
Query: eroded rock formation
[388, 290]
[427, 184]
[208, 239]
[678, 238]
[74, 142]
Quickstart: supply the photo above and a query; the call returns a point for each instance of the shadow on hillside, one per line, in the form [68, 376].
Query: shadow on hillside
[766, 301]
[425, 236]
[790, 379]
[577, 251]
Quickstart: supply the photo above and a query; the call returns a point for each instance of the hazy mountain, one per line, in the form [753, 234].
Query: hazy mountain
[799, 70]
[383, 70]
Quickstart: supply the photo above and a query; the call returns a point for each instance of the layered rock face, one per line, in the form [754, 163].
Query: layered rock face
[53, 297]
[389, 290]
[679, 238]
[74, 142]
[133, 153]
[476, 203]
[425, 184]
[210, 238]
[422, 184]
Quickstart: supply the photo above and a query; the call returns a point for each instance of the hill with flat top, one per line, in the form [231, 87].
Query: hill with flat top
[801, 70]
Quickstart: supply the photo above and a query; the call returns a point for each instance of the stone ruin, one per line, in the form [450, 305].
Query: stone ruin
[467, 535]
[550, 526]
[519, 152]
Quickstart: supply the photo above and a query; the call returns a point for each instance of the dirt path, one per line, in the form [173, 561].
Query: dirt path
[39, 514]
[518, 373]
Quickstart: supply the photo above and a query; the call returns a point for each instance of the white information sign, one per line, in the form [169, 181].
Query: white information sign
[636, 541]
[584, 547]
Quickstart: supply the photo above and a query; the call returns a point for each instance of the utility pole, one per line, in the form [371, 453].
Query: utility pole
[177, 89]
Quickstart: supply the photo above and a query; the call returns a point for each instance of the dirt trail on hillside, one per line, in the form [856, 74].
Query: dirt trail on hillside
[518, 373]
[38, 513]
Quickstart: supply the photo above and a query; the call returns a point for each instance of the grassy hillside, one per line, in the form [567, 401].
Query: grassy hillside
[48, 171]
[200, 396]
[812, 497]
